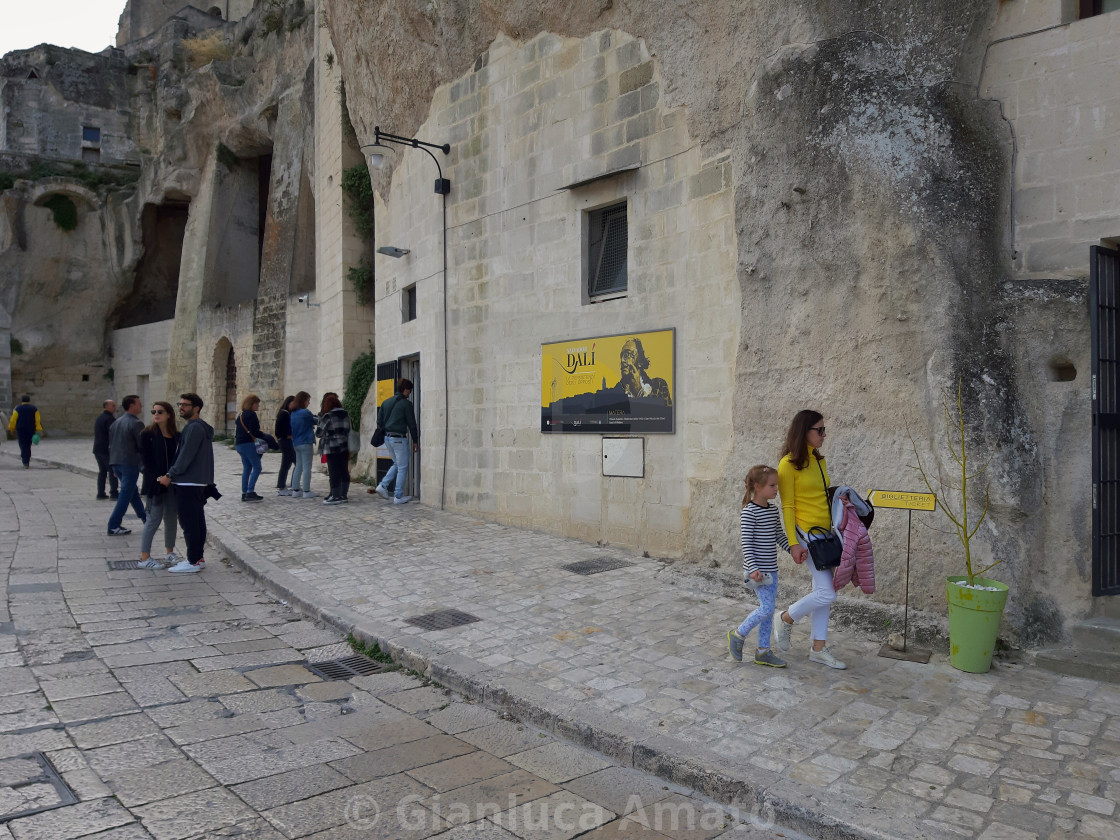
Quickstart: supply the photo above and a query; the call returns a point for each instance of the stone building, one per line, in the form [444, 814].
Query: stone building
[834, 205]
[838, 205]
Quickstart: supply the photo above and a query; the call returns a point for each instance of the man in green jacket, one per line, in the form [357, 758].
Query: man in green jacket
[397, 418]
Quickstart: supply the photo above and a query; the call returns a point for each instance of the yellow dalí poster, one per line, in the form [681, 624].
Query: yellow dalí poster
[614, 383]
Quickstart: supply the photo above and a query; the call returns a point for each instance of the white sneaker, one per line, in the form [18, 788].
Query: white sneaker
[283, 492]
[150, 563]
[402, 500]
[173, 558]
[183, 567]
[381, 491]
[825, 657]
[782, 630]
[297, 494]
[309, 494]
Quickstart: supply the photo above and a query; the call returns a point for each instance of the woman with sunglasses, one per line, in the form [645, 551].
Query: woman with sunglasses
[159, 443]
[803, 486]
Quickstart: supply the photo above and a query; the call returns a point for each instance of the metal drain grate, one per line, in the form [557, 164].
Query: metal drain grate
[593, 567]
[35, 781]
[442, 620]
[345, 668]
[123, 565]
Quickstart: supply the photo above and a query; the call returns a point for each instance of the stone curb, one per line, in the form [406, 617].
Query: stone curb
[767, 796]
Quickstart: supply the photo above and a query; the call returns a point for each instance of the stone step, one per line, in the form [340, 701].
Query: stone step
[1097, 634]
[1092, 664]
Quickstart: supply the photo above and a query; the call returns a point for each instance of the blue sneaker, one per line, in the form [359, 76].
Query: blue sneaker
[735, 645]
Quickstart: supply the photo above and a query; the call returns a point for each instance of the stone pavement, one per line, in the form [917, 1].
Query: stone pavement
[180, 707]
[632, 662]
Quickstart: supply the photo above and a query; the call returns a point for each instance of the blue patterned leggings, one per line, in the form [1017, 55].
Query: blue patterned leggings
[763, 617]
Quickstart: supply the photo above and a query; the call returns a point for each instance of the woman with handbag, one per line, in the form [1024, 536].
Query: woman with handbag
[250, 444]
[803, 485]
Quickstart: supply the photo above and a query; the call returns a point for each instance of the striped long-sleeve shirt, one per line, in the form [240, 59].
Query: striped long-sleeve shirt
[760, 529]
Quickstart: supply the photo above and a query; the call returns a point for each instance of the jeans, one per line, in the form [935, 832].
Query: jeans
[763, 617]
[338, 469]
[287, 459]
[400, 449]
[250, 466]
[301, 477]
[163, 509]
[818, 603]
[192, 519]
[129, 495]
[105, 471]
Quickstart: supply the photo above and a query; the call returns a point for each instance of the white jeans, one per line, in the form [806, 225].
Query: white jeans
[818, 603]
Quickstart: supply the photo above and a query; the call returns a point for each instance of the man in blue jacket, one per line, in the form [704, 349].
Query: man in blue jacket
[125, 461]
[193, 477]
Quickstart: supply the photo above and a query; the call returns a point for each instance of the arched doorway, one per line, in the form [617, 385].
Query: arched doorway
[224, 395]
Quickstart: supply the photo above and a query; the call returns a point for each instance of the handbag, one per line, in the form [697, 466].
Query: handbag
[378, 437]
[824, 547]
[259, 444]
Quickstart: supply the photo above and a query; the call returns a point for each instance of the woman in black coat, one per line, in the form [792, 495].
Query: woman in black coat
[159, 443]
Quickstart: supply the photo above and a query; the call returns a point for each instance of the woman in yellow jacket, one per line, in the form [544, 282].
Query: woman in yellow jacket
[803, 486]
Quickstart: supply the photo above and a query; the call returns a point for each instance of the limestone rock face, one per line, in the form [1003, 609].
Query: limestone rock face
[871, 209]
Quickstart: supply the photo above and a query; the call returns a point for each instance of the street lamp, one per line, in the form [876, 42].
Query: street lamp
[442, 185]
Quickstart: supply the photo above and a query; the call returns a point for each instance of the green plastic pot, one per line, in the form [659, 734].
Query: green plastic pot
[974, 616]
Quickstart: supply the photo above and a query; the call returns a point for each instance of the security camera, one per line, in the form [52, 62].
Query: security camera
[302, 298]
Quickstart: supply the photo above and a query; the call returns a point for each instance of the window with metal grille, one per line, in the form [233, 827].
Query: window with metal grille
[606, 251]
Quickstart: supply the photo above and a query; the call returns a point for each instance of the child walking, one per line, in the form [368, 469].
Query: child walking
[761, 532]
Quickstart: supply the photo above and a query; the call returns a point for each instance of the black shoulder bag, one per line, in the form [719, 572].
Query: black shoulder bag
[824, 546]
[379, 432]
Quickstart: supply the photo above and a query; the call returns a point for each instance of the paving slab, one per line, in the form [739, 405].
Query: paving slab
[630, 663]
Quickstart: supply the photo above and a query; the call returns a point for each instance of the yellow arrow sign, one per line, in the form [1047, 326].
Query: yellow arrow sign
[902, 500]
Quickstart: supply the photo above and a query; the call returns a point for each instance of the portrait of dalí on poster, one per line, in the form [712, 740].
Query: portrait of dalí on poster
[607, 384]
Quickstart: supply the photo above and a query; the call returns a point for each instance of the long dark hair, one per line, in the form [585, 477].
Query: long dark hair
[287, 404]
[170, 413]
[797, 443]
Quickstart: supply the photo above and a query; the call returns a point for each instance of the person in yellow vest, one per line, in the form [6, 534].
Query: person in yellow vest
[25, 424]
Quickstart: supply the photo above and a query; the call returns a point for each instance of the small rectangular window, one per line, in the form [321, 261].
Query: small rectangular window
[408, 304]
[91, 134]
[606, 251]
[91, 156]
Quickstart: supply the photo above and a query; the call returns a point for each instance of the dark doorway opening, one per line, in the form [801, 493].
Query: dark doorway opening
[1104, 309]
[156, 285]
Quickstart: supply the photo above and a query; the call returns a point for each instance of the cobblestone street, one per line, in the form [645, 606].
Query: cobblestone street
[181, 707]
[200, 679]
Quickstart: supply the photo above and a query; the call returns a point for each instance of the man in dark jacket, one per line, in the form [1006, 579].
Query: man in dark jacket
[25, 423]
[125, 461]
[397, 418]
[101, 449]
[193, 477]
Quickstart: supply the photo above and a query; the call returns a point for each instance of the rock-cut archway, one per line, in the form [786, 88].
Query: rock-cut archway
[223, 393]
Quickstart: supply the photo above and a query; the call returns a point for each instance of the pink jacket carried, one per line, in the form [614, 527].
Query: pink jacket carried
[857, 563]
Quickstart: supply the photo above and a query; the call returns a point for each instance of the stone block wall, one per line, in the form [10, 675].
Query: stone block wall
[530, 120]
[49, 95]
[140, 358]
[1057, 87]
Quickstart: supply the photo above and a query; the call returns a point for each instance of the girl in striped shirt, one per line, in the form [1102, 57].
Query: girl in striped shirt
[760, 529]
